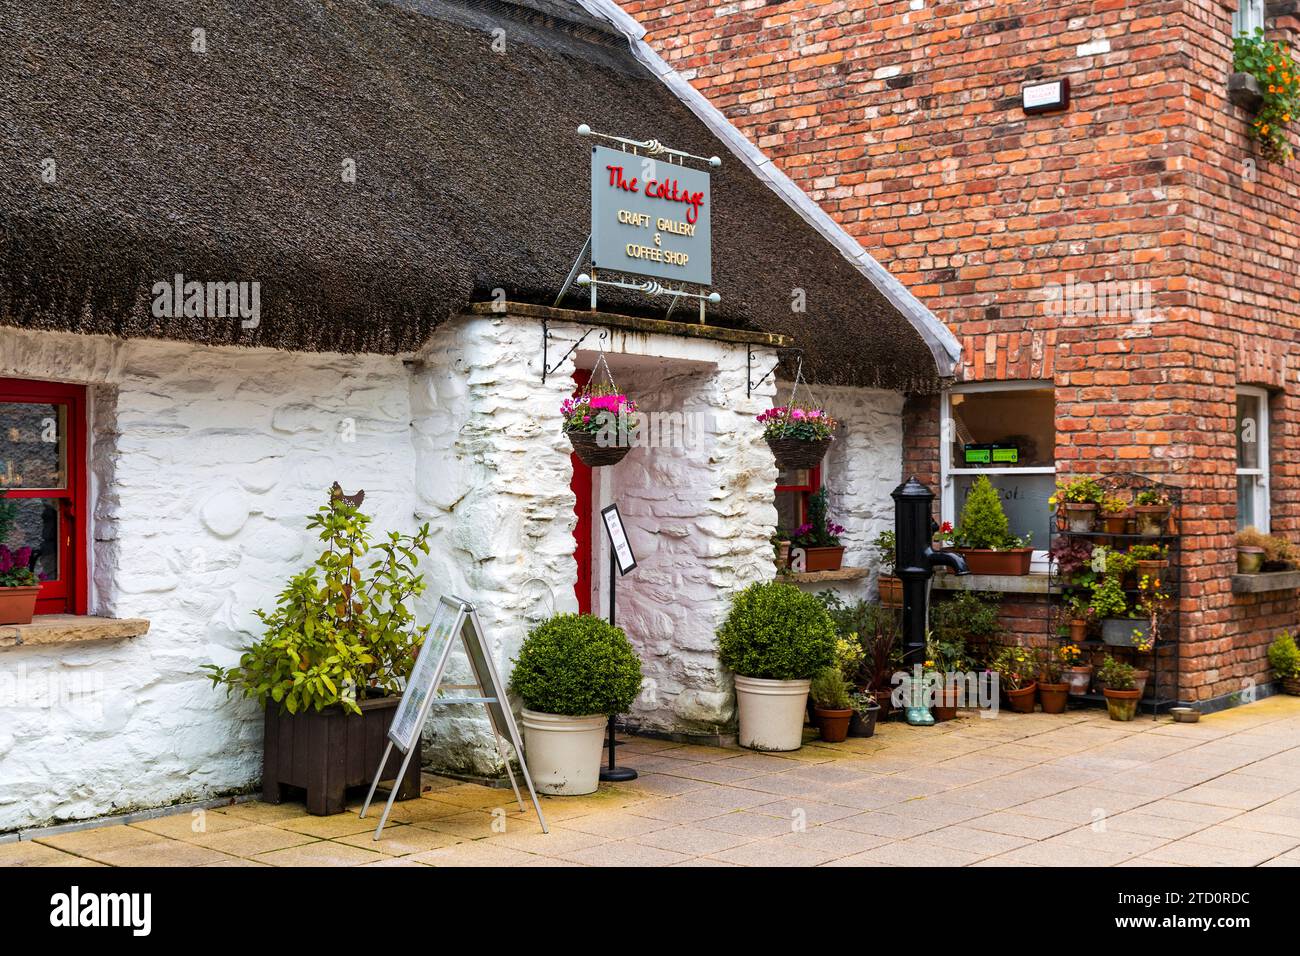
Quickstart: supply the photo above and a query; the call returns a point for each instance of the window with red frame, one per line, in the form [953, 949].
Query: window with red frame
[43, 486]
[793, 489]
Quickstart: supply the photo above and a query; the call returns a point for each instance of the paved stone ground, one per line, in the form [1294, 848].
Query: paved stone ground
[1018, 790]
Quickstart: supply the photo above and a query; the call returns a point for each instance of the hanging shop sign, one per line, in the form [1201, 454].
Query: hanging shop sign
[650, 217]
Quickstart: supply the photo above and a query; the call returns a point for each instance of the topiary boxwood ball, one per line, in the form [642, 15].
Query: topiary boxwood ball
[776, 632]
[576, 665]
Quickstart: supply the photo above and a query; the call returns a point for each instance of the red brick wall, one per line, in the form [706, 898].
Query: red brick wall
[906, 125]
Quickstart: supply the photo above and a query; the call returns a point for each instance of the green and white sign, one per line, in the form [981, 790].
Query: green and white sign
[650, 217]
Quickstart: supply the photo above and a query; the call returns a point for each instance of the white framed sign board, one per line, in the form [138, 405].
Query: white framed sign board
[453, 617]
[618, 541]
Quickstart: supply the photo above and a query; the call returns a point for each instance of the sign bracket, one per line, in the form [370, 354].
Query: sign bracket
[750, 384]
[583, 256]
[547, 368]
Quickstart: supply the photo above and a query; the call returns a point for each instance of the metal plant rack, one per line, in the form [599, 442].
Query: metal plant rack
[1162, 689]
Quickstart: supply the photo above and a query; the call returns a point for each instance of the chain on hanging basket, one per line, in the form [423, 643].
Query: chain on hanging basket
[799, 433]
[599, 419]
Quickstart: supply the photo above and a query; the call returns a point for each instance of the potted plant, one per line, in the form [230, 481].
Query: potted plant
[1272, 90]
[983, 537]
[1284, 658]
[1074, 671]
[798, 436]
[781, 550]
[818, 539]
[865, 713]
[1250, 550]
[891, 588]
[1279, 555]
[1114, 514]
[946, 658]
[1151, 506]
[574, 672]
[1110, 605]
[1018, 675]
[330, 666]
[1077, 500]
[19, 586]
[599, 422]
[1053, 688]
[775, 640]
[1078, 611]
[1150, 559]
[832, 706]
[1118, 688]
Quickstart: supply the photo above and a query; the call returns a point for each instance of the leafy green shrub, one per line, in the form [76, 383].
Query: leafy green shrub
[1284, 656]
[345, 637]
[1109, 600]
[886, 544]
[575, 665]
[983, 523]
[1117, 675]
[776, 632]
[830, 691]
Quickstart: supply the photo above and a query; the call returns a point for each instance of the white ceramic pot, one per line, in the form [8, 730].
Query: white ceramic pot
[564, 752]
[771, 712]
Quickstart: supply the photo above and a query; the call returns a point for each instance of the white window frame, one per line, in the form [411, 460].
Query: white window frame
[1248, 17]
[947, 505]
[1263, 513]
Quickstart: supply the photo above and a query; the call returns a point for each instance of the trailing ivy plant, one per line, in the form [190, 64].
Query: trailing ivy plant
[340, 631]
[1279, 82]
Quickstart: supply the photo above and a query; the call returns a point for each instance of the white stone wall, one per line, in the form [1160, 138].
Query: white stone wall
[205, 463]
[494, 475]
[863, 466]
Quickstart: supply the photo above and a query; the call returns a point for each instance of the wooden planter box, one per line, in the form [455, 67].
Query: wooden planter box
[891, 591]
[1011, 561]
[325, 753]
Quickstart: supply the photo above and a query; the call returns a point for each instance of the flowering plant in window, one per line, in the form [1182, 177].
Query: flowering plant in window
[14, 570]
[798, 422]
[819, 531]
[944, 534]
[1270, 63]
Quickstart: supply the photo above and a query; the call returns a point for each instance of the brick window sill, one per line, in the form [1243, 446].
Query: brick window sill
[1007, 583]
[58, 629]
[1262, 583]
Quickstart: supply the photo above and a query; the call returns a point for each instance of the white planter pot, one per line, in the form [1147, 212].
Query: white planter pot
[564, 752]
[771, 712]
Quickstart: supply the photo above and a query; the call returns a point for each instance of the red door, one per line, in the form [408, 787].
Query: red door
[581, 485]
[42, 477]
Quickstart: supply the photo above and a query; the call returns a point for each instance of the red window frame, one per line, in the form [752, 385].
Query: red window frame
[804, 493]
[68, 595]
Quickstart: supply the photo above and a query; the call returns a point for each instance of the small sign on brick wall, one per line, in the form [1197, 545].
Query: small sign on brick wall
[1046, 97]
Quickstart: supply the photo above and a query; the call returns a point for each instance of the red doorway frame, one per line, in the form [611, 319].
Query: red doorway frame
[580, 483]
[69, 595]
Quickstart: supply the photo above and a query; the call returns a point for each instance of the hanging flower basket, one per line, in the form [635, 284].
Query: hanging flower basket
[799, 437]
[599, 421]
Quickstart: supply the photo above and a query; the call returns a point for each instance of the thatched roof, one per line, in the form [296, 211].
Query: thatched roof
[226, 165]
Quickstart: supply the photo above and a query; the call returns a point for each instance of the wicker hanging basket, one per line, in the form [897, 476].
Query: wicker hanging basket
[795, 453]
[587, 447]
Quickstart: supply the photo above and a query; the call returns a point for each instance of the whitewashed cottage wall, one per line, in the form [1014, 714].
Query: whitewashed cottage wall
[206, 462]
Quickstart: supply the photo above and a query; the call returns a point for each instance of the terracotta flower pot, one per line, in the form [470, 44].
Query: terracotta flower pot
[1078, 678]
[1151, 519]
[821, 559]
[1249, 560]
[891, 591]
[1078, 629]
[1152, 568]
[1022, 701]
[17, 605]
[1140, 679]
[945, 707]
[1011, 561]
[1053, 697]
[1080, 516]
[833, 724]
[793, 454]
[1115, 523]
[1121, 704]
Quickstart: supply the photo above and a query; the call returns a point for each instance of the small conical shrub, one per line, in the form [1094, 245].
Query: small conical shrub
[983, 522]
